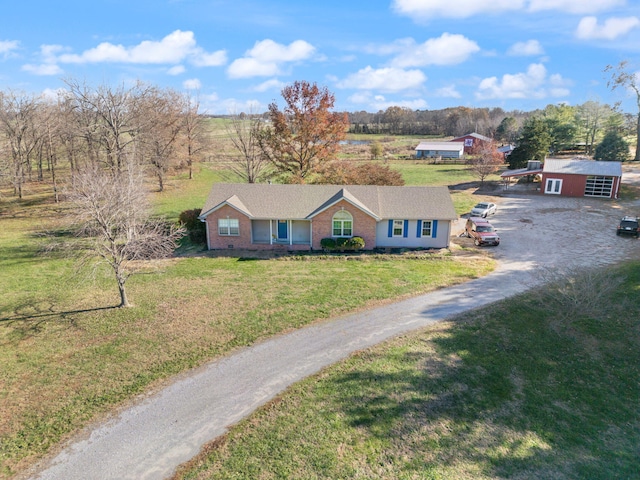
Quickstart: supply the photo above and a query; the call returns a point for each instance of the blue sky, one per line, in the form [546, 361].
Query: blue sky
[237, 55]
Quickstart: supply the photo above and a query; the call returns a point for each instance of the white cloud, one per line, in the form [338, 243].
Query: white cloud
[273, 84]
[43, 69]
[425, 9]
[266, 58]
[384, 79]
[447, 49]
[448, 92]
[430, 9]
[231, 106]
[612, 28]
[7, 47]
[379, 102]
[192, 84]
[175, 48]
[525, 49]
[532, 84]
[574, 6]
[177, 70]
[204, 59]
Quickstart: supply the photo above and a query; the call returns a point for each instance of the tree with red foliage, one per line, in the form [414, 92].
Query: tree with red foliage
[306, 132]
[485, 160]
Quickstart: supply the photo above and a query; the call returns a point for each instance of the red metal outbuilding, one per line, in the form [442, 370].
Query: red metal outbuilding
[581, 178]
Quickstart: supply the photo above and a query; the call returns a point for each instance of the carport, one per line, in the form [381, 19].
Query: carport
[533, 168]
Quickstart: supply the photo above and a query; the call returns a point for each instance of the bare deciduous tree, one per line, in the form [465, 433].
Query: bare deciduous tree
[159, 144]
[193, 131]
[244, 132]
[623, 77]
[111, 211]
[111, 119]
[19, 124]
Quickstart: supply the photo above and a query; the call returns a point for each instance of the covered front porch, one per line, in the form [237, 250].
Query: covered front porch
[281, 232]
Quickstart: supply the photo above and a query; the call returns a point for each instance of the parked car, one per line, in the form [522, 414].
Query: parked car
[481, 231]
[628, 226]
[483, 209]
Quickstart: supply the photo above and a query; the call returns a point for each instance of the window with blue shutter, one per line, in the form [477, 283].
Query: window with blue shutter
[434, 228]
[419, 229]
[405, 229]
[425, 231]
[390, 233]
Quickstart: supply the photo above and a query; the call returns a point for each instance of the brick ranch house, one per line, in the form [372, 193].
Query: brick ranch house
[298, 217]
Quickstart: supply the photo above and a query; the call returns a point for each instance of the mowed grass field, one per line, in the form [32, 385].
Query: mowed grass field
[68, 357]
[534, 387]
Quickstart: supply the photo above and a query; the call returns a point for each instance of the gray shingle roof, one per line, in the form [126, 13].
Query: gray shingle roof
[295, 202]
[583, 167]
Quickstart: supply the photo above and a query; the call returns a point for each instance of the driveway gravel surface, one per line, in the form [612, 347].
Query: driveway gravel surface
[161, 431]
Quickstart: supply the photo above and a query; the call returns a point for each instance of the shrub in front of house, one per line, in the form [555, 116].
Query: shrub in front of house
[342, 243]
[195, 228]
[328, 244]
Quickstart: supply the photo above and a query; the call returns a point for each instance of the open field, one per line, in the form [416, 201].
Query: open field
[532, 387]
[68, 357]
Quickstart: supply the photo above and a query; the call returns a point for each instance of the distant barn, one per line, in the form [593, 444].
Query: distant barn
[472, 140]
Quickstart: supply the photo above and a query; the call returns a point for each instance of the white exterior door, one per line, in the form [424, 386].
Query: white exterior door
[553, 185]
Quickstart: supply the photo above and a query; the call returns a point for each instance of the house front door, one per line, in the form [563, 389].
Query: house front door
[282, 230]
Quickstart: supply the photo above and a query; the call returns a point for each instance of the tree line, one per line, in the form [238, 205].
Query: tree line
[109, 127]
[578, 127]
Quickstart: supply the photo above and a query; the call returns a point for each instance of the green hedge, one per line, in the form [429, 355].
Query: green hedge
[195, 228]
[342, 243]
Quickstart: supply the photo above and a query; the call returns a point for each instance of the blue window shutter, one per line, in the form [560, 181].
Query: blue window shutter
[405, 230]
[434, 228]
[419, 230]
[390, 228]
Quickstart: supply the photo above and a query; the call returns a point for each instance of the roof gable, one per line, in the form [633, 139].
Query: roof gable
[474, 135]
[343, 194]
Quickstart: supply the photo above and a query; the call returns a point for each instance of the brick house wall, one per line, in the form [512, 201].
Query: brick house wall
[216, 241]
[363, 225]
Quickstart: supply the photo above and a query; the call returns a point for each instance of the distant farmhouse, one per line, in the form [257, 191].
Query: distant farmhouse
[454, 148]
[440, 150]
[298, 217]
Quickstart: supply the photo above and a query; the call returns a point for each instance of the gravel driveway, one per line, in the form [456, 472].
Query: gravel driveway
[150, 439]
[539, 231]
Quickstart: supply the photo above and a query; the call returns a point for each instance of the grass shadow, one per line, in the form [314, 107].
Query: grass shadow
[523, 398]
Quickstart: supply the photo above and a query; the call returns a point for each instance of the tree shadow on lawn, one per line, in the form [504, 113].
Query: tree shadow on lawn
[500, 401]
[28, 324]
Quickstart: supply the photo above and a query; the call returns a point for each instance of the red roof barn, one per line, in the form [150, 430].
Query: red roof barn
[471, 141]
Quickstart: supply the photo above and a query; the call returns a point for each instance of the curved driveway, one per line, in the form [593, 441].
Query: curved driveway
[150, 439]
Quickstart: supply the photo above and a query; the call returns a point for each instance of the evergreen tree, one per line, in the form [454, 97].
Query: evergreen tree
[533, 143]
[613, 147]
